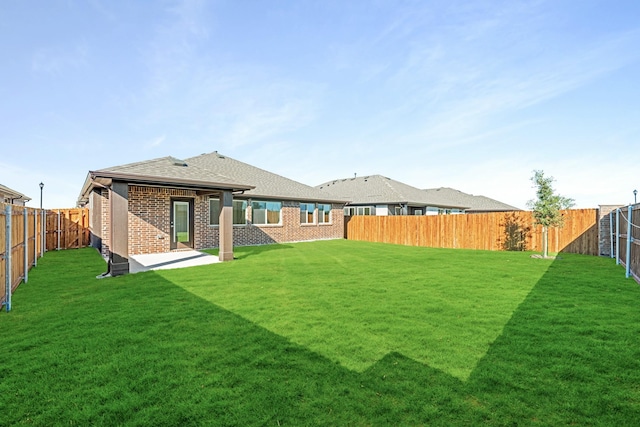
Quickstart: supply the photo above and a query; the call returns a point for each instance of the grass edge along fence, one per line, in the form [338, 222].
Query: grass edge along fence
[496, 231]
[26, 233]
[625, 239]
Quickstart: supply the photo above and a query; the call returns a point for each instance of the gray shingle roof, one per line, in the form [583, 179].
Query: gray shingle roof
[475, 203]
[267, 184]
[170, 168]
[12, 194]
[377, 189]
[209, 170]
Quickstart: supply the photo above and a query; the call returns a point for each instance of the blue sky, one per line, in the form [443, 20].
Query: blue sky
[472, 95]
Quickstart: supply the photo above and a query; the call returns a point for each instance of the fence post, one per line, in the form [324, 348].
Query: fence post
[618, 236]
[26, 245]
[35, 237]
[58, 231]
[629, 239]
[611, 233]
[43, 232]
[7, 257]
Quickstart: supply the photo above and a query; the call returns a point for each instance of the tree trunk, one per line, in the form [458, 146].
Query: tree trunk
[545, 241]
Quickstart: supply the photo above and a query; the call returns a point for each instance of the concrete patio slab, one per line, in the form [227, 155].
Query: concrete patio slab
[168, 260]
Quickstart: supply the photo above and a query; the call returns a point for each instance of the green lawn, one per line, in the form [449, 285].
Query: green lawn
[325, 333]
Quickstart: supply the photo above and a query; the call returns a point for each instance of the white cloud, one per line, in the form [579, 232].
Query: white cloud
[156, 142]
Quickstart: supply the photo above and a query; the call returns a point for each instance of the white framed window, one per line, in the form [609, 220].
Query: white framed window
[324, 213]
[239, 211]
[417, 212]
[349, 211]
[431, 210]
[365, 210]
[265, 212]
[307, 213]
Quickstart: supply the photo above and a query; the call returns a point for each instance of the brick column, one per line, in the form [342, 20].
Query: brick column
[226, 226]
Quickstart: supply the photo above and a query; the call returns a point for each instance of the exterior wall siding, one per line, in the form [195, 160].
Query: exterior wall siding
[289, 229]
[149, 223]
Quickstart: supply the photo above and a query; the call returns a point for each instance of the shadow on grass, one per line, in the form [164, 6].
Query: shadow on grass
[139, 350]
[571, 352]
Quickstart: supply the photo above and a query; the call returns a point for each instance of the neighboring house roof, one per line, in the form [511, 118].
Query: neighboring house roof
[475, 203]
[207, 171]
[267, 184]
[378, 189]
[8, 193]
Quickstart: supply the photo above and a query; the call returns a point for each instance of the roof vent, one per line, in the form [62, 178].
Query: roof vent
[178, 162]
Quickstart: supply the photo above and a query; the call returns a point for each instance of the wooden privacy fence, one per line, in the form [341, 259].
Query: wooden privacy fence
[25, 236]
[490, 231]
[67, 228]
[625, 239]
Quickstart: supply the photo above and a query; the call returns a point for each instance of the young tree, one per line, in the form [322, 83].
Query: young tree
[547, 206]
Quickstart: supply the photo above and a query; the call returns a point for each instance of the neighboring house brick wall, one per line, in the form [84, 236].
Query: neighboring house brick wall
[604, 228]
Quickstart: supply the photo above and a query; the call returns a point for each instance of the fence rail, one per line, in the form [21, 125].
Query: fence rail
[490, 231]
[625, 240]
[25, 235]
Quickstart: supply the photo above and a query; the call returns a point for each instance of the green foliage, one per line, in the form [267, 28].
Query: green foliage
[254, 342]
[547, 205]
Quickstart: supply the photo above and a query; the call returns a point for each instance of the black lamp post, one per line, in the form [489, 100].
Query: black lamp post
[41, 187]
[635, 199]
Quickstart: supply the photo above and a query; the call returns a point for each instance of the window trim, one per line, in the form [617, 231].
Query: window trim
[235, 202]
[313, 213]
[266, 223]
[327, 211]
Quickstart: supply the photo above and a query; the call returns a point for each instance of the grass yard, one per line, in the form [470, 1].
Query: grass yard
[325, 333]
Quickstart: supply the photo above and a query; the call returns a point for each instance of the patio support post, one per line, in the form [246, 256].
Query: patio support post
[226, 226]
[119, 215]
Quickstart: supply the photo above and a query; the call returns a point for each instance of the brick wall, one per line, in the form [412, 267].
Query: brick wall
[604, 228]
[290, 229]
[149, 223]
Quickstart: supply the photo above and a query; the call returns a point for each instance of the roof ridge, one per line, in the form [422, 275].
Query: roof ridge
[133, 164]
[222, 156]
[387, 182]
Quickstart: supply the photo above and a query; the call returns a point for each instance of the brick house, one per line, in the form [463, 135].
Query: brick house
[381, 196]
[207, 201]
